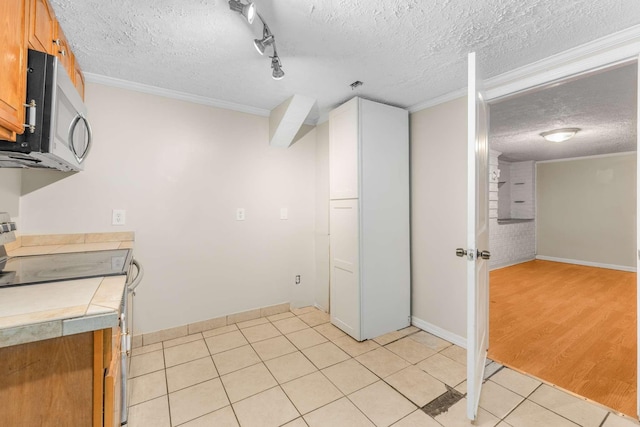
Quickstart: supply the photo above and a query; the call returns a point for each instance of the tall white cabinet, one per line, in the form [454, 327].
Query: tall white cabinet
[369, 218]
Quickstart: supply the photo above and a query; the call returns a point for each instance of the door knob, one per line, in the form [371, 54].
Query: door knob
[484, 254]
[461, 252]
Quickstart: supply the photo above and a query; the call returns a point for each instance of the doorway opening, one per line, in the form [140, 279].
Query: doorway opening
[563, 240]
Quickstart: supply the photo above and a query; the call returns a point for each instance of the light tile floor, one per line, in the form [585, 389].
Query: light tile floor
[295, 369]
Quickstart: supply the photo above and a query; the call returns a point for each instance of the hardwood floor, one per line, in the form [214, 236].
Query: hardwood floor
[570, 325]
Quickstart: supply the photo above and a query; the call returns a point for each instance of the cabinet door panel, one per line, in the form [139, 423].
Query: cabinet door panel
[343, 151]
[345, 282]
[63, 52]
[47, 383]
[13, 66]
[42, 26]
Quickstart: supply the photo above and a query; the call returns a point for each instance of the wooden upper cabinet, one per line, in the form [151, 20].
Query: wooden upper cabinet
[42, 26]
[63, 52]
[78, 78]
[27, 24]
[13, 67]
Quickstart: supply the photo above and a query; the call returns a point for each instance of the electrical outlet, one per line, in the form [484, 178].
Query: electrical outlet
[298, 279]
[118, 217]
[240, 214]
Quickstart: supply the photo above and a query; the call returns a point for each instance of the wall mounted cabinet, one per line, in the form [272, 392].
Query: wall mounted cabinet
[13, 63]
[27, 24]
[63, 52]
[42, 26]
[369, 218]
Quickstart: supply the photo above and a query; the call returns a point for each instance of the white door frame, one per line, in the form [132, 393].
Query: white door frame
[618, 48]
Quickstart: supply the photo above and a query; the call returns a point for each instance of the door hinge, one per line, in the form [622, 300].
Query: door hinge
[31, 116]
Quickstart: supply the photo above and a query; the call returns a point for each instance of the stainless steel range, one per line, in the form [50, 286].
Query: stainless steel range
[37, 269]
[28, 270]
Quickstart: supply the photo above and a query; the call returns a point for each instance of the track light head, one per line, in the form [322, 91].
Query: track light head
[277, 74]
[247, 10]
[261, 45]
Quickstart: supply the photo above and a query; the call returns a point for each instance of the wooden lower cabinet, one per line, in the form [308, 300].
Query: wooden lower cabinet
[61, 381]
[113, 384]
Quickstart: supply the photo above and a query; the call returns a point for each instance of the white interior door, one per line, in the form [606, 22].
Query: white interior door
[638, 250]
[477, 241]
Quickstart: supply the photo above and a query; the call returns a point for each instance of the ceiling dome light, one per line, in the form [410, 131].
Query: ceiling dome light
[560, 135]
[246, 10]
[277, 68]
[261, 45]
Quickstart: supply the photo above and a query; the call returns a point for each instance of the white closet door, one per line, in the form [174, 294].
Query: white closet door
[345, 280]
[343, 151]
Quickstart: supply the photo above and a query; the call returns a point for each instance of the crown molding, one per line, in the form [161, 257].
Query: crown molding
[593, 156]
[618, 47]
[173, 94]
[622, 46]
[439, 100]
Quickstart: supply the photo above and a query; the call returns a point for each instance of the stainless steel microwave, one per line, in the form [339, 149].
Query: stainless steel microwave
[57, 133]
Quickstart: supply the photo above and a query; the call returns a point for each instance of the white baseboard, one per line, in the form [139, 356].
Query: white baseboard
[510, 263]
[587, 263]
[319, 307]
[439, 332]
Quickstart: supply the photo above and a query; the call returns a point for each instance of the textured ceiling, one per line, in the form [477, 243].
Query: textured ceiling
[405, 51]
[603, 105]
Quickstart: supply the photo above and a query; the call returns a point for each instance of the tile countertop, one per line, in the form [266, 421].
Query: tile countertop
[49, 310]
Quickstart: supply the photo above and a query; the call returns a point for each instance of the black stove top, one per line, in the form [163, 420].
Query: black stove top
[30, 270]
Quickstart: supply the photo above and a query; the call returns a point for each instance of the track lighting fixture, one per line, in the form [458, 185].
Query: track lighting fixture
[268, 39]
[277, 68]
[247, 10]
[261, 45]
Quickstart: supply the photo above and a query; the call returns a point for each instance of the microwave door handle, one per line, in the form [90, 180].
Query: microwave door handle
[72, 128]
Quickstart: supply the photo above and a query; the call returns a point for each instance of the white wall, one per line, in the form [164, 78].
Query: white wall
[10, 184]
[180, 170]
[439, 216]
[587, 210]
[322, 217]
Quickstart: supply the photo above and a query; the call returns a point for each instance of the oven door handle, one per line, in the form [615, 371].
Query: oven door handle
[136, 281]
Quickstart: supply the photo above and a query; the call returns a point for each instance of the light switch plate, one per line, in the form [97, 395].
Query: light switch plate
[240, 214]
[284, 213]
